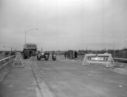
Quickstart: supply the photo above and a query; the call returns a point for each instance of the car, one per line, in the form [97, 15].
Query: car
[44, 55]
[104, 59]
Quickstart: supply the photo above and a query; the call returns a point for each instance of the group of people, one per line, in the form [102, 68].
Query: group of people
[71, 54]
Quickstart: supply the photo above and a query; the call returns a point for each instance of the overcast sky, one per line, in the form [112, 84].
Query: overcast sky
[63, 24]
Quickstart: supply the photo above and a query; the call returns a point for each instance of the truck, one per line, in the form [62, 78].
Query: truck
[29, 50]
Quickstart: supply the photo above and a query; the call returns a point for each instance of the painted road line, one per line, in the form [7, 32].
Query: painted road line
[45, 90]
[38, 94]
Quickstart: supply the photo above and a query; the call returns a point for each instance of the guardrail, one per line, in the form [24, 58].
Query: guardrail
[120, 59]
[5, 61]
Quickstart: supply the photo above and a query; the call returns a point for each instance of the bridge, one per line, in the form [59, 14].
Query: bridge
[60, 78]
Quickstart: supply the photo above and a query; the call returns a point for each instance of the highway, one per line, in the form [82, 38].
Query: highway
[62, 78]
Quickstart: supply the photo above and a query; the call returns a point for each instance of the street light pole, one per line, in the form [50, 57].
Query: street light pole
[25, 37]
[26, 33]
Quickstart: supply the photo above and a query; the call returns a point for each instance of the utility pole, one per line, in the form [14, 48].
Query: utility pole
[25, 37]
[32, 29]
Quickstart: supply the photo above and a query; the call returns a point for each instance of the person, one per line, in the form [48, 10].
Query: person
[65, 55]
[76, 54]
[53, 56]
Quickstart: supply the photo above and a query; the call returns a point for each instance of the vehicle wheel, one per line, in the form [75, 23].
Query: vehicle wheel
[54, 59]
[25, 57]
[46, 59]
[38, 58]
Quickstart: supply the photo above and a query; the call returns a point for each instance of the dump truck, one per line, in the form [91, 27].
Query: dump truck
[29, 50]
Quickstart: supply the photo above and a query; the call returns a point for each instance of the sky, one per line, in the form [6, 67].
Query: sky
[63, 24]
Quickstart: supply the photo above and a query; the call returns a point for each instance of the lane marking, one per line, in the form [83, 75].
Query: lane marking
[42, 89]
[45, 90]
[38, 94]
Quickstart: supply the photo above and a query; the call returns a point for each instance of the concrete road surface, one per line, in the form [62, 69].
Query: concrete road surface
[63, 78]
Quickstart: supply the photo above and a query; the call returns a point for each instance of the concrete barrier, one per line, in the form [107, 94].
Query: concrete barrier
[5, 61]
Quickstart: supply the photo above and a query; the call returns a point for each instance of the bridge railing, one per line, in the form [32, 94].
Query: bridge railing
[124, 60]
[6, 61]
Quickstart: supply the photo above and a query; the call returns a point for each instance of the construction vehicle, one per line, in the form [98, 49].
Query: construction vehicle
[29, 50]
[43, 55]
